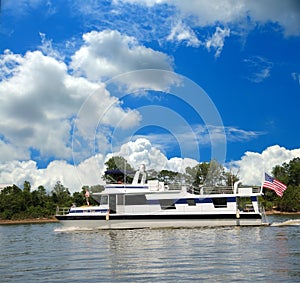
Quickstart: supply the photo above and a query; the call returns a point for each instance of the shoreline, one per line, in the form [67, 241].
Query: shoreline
[275, 212]
[54, 220]
[28, 221]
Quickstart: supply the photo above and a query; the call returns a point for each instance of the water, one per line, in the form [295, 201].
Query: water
[47, 253]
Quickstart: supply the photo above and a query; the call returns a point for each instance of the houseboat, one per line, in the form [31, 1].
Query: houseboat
[153, 204]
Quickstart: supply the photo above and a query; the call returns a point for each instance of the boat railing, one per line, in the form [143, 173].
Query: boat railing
[174, 187]
[62, 210]
[217, 190]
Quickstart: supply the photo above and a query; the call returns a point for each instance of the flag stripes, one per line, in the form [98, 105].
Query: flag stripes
[275, 185]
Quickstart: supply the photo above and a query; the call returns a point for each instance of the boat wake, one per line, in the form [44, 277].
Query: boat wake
[72, 229]
[292, 222]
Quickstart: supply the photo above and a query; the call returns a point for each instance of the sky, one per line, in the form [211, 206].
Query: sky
[165, 83]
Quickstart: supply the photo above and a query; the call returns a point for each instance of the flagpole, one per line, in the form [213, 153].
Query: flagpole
[262, 183]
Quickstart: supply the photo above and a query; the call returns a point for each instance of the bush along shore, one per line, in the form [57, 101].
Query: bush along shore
[28, 221]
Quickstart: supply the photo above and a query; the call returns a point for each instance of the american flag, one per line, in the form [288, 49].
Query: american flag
[273, 184]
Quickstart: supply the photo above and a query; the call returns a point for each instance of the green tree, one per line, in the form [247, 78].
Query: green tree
[78, 198]
[168, 177]
[215, 175]
[12, 202]
[209, 174]
[122, 170]
[289, 174]
[230, 178]
[152, 174]
[61, 195]
[290, 201]
[27, 194]
[196, 175]
[294, 172]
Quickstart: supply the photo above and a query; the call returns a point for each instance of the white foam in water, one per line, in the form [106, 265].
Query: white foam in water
[291, 222]
[72, 229]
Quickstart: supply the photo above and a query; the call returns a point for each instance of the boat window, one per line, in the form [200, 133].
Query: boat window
[191, 201]
[120, 199]
[167, 203]
[104, 200]
[135, 200]
[219, 202]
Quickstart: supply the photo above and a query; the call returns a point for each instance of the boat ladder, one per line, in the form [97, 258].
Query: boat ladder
[264, 218]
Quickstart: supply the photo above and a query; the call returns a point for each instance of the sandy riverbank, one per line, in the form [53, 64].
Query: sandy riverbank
[28, 221]
[275, 212]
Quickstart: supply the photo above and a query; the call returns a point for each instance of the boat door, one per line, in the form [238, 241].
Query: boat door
[112, 204]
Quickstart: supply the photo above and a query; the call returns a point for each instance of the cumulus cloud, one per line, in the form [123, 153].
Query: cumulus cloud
[142, 151]
[253, 165]
[89, 171]
[250, 167]
[35, 104]
[108, 53]
[40, 98]
[73, 177]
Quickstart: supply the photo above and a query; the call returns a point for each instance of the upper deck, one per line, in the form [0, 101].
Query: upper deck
[141, 185]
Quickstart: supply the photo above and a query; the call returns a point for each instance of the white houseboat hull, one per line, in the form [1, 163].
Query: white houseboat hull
[181, 222]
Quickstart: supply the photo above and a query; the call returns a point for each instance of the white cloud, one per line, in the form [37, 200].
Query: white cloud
[180, 32]
[108, 53]
[148, 3]
[208, 13]
[48, 49]
[296, 77]
[194, 15]
[285, 13]
[217, 40]
[39, 100]
[259, 68]
[89, 171]
[200, 135]
[253, 165]
[178, 164]
[73, 177]
[142, 151]
[11, 152]
[35, 104]
[250, 167]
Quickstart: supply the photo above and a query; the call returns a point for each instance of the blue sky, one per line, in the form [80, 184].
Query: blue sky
[167, 83]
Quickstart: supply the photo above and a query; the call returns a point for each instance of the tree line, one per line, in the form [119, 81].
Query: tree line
[17, 203]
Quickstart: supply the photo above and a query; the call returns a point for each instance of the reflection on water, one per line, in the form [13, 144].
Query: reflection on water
[48, 253]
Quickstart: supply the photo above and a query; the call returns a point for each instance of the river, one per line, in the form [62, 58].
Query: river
[48, 253]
